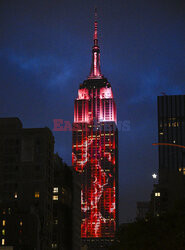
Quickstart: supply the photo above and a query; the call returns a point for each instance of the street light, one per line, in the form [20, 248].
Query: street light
[154, 176]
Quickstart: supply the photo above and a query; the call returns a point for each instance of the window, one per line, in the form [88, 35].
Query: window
[56, 222]
[21, 223]
[3, 242]
[55, 190]
[55, 197]
[3, 232]
[54, 245]
[157, 194]
[37, 195]
[15, 195]
[4, 223]
[9, 210]
[182, 170]
[63, 190]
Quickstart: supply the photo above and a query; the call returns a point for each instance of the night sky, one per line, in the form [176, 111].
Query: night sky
[45, 53]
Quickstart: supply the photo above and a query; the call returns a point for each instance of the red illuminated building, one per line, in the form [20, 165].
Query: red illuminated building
[95, 155]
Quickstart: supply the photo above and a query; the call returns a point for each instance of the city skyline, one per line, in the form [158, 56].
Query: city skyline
[43, 50]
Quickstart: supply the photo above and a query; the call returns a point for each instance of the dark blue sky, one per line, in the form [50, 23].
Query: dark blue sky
[45, 53]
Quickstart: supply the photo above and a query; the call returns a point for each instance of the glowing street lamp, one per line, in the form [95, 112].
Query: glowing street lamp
[154, 176]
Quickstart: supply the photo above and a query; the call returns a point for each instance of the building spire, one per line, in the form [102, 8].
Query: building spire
[95, 66]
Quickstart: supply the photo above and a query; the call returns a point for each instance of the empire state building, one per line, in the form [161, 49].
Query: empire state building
[95, 154]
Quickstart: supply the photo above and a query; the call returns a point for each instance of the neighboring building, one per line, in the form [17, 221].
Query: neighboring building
[26, 182]
[155, 202]
[171, 134]
[142, 209]
[95, 156]
[6, 248]
[76, 211]
[62, 205]
[66, 207]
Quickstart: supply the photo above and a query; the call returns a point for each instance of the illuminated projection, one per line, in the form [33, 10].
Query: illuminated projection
[95, 151]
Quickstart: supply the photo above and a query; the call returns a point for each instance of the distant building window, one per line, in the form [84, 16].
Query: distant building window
[182, 170]
[63, 190]
[55, 197]
[56, 222]
[3, 242]
[37, 195]
[54, 245]
[55, 190]
[9, 210]
[4, 223]
[157, 194]
[3, 232]
[21, 223]
[15, 195]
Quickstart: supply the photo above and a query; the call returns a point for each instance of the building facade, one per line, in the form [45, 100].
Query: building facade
[26, 182]
[171, 139]
[142, 209]
[66, 207]
[95, 155]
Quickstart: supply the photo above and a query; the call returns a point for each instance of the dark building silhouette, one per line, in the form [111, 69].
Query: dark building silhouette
[142, 209]
[95, 155]
[66, 207]
[6, 248]
[171, 138]
[26, 182]
[40, 196]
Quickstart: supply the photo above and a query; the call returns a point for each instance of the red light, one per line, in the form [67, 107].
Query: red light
[94, 157]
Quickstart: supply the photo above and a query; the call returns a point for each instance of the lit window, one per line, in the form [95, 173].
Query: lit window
[56, 222]
[63, 190]
[54, 245]
[37, 195]
[3, 242]
[55, 197]
[15, 195]
[157, 194]
[3, 232]
[55, 190]
[21, 223]
[9, 210]
[182, 170]
[4, 223]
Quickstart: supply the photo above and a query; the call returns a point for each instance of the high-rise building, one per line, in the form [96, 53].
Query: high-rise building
[95, 155]
[171, 139]
[26, 182]
[142, 209]
[66, 207]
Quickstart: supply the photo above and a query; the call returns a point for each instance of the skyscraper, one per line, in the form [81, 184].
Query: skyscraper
[95, 154]
[171, 136]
